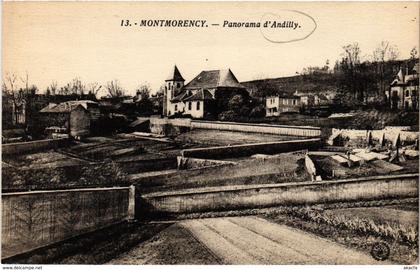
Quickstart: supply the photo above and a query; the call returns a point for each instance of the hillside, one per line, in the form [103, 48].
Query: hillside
[302, 83]
[324, 82]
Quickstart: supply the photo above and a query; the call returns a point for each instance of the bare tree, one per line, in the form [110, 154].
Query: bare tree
[114, 89]
[413, 53]
[74, 87]
[384, 52]
[143, 90]
[349, 66]
[10, 83]
[393, 53]
[379, 55]
[352, 53]
[94, 88]
[17, 96]
[52, 88]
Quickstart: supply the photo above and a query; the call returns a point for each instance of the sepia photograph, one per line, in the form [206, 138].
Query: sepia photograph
[209, 133]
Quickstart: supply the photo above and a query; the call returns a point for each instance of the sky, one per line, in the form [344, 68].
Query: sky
[58, 41]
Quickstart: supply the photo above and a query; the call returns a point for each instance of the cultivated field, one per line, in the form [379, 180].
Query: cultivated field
[285, 167]
[220, 138]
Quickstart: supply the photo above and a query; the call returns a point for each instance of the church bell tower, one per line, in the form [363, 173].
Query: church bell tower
[173, 85]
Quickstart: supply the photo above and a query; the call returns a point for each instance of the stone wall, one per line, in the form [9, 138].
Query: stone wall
[251, 149]
[258, 128]
[35, 219]
[259, 196]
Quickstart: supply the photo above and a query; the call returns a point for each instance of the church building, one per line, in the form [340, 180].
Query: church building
[202, 97]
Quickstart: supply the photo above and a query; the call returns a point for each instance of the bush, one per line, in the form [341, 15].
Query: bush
[227, 116]
[258, 111]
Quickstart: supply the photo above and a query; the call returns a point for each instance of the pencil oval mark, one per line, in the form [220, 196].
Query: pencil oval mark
[287, 26]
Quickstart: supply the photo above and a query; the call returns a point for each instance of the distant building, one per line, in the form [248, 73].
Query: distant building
[72, 117]
[275, 105]
[404, 90]
[199, 97]
[308, 100]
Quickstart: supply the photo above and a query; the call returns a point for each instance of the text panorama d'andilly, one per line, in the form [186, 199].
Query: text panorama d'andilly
[203, 23]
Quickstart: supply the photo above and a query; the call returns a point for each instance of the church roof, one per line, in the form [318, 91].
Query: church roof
[214, 78]
[175, 75]
[201, 94]
[180, 97]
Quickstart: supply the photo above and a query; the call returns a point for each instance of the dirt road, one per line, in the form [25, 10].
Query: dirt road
[240, 240]
[252, 240]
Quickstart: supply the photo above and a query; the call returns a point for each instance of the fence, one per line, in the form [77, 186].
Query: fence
[302, 131]
[32, 146]
[35, 219]
[259, 196]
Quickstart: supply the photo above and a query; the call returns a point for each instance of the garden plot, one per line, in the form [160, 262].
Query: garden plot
[381, 215]
[285, 167]
[123, 149]
[49, 159]
[221, 138]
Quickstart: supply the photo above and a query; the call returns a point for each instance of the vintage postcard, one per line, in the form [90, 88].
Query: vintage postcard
[210, 133]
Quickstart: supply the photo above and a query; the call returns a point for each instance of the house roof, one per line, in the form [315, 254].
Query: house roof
[212, 79]
[64, 107]
[285, 95]
[175, 75]
[202, 94]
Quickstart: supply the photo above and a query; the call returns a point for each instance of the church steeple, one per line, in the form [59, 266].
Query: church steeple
[175, 75]
[173, 85]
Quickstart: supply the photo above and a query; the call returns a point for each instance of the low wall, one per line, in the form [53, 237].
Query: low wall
[35, 219]
[269, 148]
[32, 146]
[168, 127]
[301, 131]
[259, 196]
[174, 126]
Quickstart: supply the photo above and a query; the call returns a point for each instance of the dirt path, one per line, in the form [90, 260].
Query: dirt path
[174, 245]
[239, 240]
[252, 240]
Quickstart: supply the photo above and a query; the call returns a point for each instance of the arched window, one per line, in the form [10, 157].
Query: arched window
[198, 105]
[407, 93]
[189, 105]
